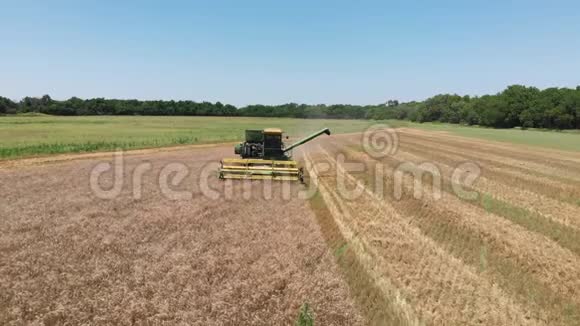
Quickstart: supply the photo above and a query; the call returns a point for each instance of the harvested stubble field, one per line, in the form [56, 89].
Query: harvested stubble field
[511, 256]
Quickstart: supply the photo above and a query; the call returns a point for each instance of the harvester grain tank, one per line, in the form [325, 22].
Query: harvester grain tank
[264, 156]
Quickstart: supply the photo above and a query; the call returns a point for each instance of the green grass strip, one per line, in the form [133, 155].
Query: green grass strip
[375, 307]
[565, 236]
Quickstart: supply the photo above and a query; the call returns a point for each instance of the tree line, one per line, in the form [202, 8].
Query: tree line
[516, 106]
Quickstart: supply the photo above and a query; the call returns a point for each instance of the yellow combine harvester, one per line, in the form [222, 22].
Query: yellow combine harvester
[264, 156]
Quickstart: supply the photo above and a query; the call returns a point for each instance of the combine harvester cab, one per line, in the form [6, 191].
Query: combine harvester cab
[264, 156]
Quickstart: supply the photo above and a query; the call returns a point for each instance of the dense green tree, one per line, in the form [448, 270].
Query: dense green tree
[467, 113]
[491, 111]
[439, 108]
[7, 105]
[517, 99]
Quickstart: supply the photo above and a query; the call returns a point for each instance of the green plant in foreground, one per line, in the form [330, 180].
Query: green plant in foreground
[305, 317]
[341, 250]
[483, 258]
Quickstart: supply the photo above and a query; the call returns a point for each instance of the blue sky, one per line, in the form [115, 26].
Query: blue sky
[242, 52]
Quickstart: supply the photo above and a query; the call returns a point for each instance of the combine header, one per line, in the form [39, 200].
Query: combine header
[264, 156]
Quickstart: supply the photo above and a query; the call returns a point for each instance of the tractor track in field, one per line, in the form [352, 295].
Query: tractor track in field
[537, 172]
[552, 198]
[393, 305]
[563, 274]
[547, 185]
[524, 173]
[468, 217]
[416, 264]
[554, 281]
[537, 204]
[550, 157]
[530, 164]
[495, 185]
